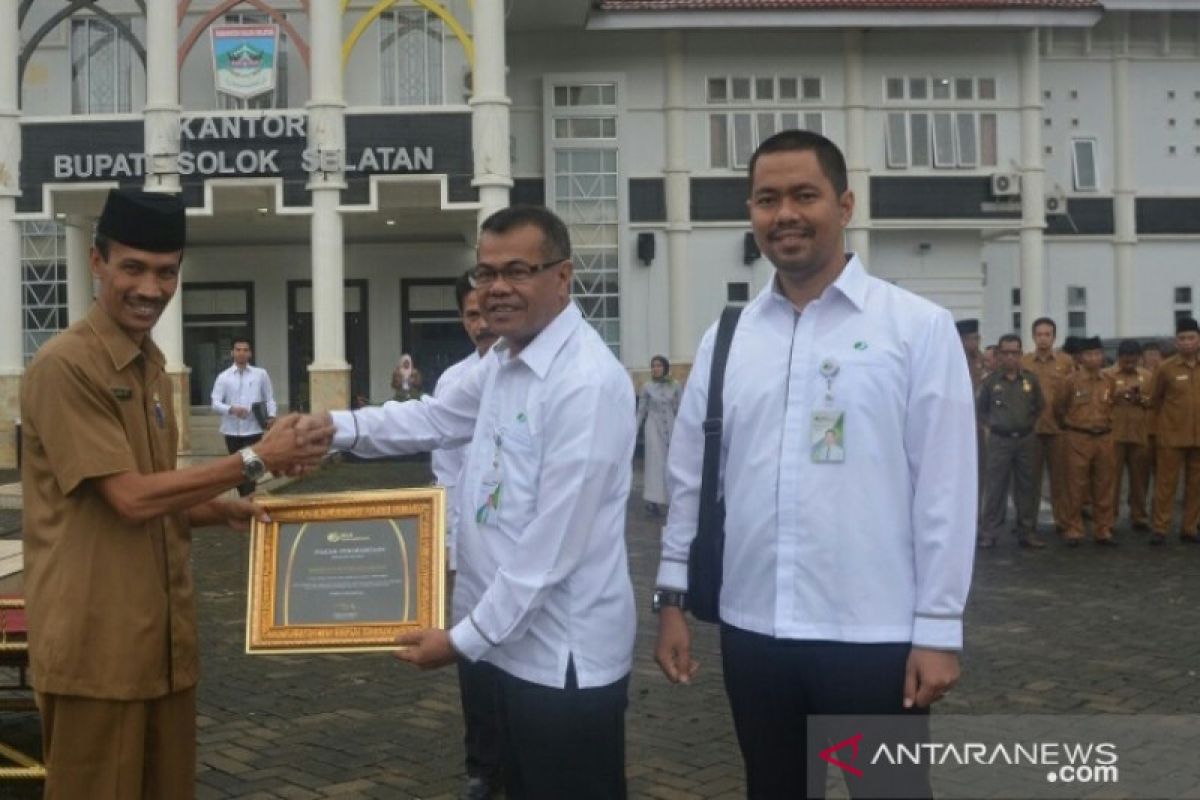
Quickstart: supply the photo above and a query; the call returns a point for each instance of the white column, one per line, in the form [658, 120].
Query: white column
[78, 234]
[859, 229]
[490, 109]
[1124, 191]
[1033, 204]
[678, 201]
[11, 352]
[329, 373]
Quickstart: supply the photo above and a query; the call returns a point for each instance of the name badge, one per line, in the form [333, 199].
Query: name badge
[121, 392]
[827, 436]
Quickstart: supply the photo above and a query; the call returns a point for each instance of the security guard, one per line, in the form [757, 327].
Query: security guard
[1084, 410]
[1131, 417]
[1175, 394]
[1009, 404]
[1052, 368]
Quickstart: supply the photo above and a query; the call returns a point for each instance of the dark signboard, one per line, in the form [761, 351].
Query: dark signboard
[258, 145]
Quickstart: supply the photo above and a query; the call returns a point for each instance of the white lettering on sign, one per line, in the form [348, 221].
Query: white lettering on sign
[270, 126]
[99, 165]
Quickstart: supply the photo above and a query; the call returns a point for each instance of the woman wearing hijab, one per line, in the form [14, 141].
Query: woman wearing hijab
[406, 380]
[658, 402]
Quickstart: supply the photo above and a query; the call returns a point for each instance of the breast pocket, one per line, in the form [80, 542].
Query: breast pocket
[507, 494]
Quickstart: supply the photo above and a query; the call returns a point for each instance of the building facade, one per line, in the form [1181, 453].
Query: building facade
[1010, 159]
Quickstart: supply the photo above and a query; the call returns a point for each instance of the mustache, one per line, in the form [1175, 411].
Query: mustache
[781, 230]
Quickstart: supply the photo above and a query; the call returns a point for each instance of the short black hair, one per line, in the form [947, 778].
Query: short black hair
[1008, 337]
[102, 244]
[1044, 321]
[1152, 345]
[829, 156]
[239, 339]
[556, 238]
[1129, 347]
[462, 288]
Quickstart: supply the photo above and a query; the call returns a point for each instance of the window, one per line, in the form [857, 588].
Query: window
[941, 139]
[939, 88]
[1076, 311]
[101, 68]
[733, 135]
[1183, 302]
[43, 284]
[410, 56]
[1084, 163]
[274, 99]
[1016, 309]
[585, 193]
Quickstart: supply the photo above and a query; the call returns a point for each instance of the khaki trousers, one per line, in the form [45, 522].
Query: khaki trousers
[119, 749]
[1133, 459]
[1170, 461]
[1090, 472]
[1051, 457]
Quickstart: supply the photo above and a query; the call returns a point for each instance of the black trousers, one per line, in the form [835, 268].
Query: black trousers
[775, 685]
[563, 743]
[235, 443]
[483, 739]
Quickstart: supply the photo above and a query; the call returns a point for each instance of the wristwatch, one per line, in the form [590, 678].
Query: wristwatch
[668, 597]
[253, 467]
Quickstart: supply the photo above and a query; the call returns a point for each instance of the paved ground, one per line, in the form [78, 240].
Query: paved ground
[1058, 631]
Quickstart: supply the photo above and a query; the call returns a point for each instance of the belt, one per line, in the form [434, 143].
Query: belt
[1011, 434]
[1090, 431]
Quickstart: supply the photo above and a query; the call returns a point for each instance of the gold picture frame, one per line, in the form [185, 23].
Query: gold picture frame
[346, 572]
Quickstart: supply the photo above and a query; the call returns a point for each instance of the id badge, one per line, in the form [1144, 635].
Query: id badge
[827, 436]
[487, 503]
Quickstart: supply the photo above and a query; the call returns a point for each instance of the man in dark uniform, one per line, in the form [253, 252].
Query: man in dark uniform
[107, 518]
[1009, 403]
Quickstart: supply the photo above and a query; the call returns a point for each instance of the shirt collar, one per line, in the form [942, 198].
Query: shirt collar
[851, 283]
[121, 348]
[539, 354]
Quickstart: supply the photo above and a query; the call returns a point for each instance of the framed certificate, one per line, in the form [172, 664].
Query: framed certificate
[344, 572]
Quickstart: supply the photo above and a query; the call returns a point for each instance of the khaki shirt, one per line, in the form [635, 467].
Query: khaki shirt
[1175, 394]
[110, 604]
[1131, 409]
[1009, 406]
[1051, 373]
[1086, 401]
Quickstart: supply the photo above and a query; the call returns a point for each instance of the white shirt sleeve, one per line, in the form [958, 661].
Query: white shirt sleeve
[685, 460]
[415, 426]
[939, 438]
[218, 396]
[585, 446]
[268, 393]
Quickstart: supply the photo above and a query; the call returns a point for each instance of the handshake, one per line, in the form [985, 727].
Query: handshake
[296, 444]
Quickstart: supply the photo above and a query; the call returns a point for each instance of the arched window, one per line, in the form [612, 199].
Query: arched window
[410, 58]
[102, 67]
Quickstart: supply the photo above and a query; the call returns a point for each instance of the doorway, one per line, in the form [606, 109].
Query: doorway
[430, 328]
[214, 314]
[300, 341]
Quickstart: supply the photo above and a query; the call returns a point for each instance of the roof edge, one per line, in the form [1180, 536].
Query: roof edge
[704, 20]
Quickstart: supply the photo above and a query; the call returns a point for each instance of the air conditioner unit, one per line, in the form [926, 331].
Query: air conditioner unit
[1006, 184]
[1056, 202]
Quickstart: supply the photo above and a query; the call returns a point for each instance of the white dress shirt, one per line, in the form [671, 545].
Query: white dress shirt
[543, 574]
[447, 462]
[876, 548]
[242, 387]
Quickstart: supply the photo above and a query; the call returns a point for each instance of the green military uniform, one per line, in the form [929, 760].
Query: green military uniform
[1008, 408]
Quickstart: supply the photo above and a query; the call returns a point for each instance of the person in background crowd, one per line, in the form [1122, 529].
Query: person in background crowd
[1175, 395]
[406, 380]
[990, 360]
[243, 396]
[658, 403]
[1052, 369]
[1152, 357]
[1084, 410]
[1130, 427]
[1009, 404]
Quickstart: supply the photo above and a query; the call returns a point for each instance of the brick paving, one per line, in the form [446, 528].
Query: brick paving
[1059, 631]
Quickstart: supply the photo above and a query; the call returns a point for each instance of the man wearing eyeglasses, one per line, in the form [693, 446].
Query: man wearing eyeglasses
[542, 591]
[1009, 403]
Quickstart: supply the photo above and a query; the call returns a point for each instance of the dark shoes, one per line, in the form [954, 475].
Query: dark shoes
[1189, 538]
[1141, 526]
[1074, 541]
[1107, 541]
[476, 789]
[1031, 541]
[1157, 538]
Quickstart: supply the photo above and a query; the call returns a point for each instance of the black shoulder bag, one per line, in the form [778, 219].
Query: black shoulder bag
[706, 557]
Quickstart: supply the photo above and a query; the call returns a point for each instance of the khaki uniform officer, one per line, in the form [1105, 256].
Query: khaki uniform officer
[1175, 393]
[1084, 410]
[1009, 404]
[108, 584]
[1131, 418]
[1052, 369]
[1152, 359]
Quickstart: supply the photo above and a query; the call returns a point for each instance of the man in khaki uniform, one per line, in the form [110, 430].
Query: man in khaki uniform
[1131, 416]
[1152, 359]
[1175, 394]
[1084, 410]
[108, 584]
[1051, 369]
[1009, 403]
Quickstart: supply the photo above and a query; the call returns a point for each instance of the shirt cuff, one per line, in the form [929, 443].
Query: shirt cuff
[345, 434]
[468, 641]
[672, 575]
[938, 633]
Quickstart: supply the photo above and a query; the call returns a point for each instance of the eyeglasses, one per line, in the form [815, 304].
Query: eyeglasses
[516, 273]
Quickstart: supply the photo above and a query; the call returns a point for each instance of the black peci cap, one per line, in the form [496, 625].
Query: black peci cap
[151, 221]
